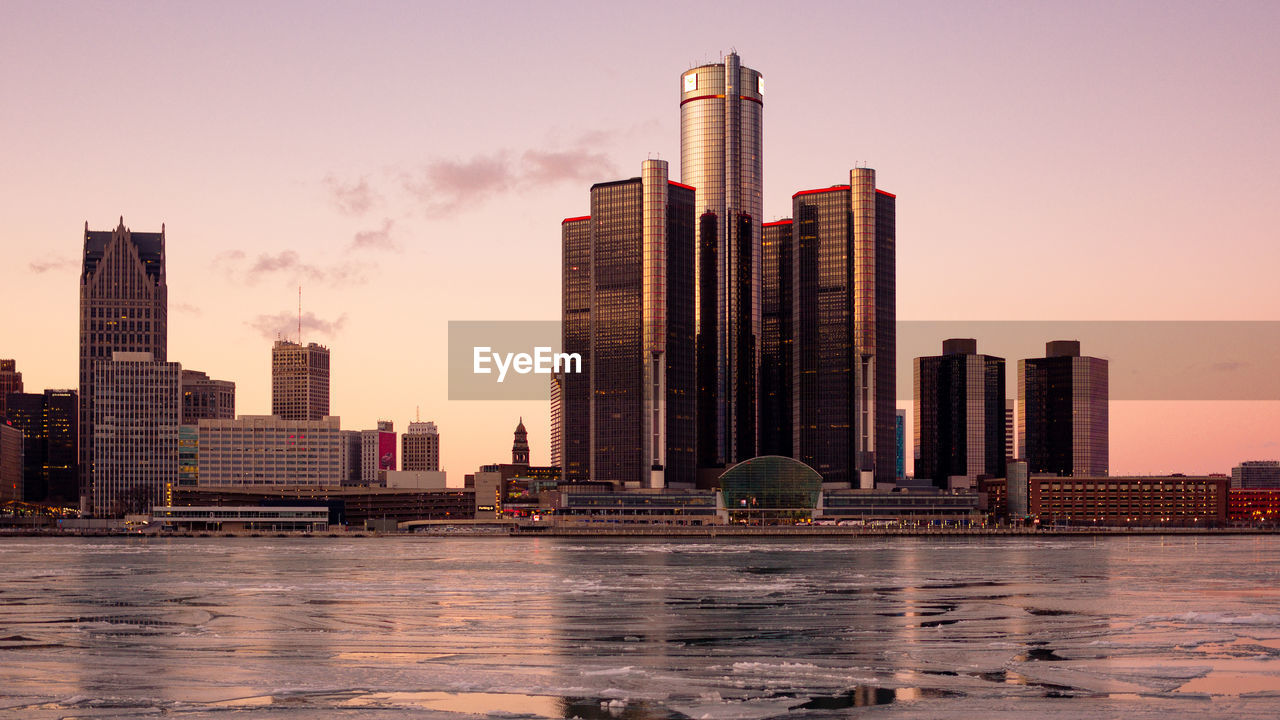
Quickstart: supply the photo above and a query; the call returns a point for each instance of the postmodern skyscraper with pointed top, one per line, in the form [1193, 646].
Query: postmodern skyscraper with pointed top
[721, 107]
[124, 307]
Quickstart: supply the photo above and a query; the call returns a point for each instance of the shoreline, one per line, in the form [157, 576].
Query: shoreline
[667, 532]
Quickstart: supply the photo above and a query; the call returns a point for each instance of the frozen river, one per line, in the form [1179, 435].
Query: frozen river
[612, 628]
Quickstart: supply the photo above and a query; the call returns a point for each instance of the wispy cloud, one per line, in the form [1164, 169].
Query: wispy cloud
[354, 198]
[556, 166]
[285, 324]
[445, 185]
[374, 239]
[442, 185]
[286, 264]
[186, 308]
[44, 266]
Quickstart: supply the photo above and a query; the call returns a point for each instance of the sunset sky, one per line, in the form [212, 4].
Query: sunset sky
[409, 164]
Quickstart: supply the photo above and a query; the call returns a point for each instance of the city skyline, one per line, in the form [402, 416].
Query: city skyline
[277, 202]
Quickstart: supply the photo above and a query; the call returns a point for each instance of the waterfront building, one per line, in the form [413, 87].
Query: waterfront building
[10, 382]
[11, 462]
[845, 343]
[377, 454]
[721, 156]
[1256, 475]
[640, 358]
[575, 328]
[138, 408]
[346, 505]
[1168, 500]
[1255, 506]
[206, 399]
[124, 307]
[267, 451]
[776, 345]
[960, 414]
[1063, 413]
[228, 518]
[420, 447]
[48, 424]
[299, 380]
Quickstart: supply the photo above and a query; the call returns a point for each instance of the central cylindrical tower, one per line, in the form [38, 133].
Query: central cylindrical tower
[721, 108]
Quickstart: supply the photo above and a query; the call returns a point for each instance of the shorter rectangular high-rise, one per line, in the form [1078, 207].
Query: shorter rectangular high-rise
[265, 450]
[420, 448]
[48, 424]
[959, 414]
[206, 399]
[299, 381]
[1063, 412]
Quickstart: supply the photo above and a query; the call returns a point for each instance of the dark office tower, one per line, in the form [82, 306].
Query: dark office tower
[124, 307]
[642, 359]
[10, 382]
[776, 340]
[575, 328]
[721, 106]
[959, 414]
[48, 424]
[1062, 412]
[845, 340]
[299, 381]
[11, 462]
[203, 398]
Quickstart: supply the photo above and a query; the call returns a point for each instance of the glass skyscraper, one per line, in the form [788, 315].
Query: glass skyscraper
[633, 312]
[1062, 412]
[845, 341]
[776, 341]
[721, 106]
[959, 414]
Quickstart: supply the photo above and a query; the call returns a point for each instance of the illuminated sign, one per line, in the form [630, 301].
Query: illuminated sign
[485, 508]
[386, 451]
[691, 82]
[760, 84]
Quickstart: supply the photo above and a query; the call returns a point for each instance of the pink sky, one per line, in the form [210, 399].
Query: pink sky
[409, 164]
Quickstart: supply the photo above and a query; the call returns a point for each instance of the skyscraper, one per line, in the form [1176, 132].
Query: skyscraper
[1063, 413]
[299, 381]
[721, 109]
[637, 303]
[48, 424]
[206, 399]
[420, 448]
[845, 342]
[557, 421]
[959, 414]
[10, 382]
[124, 307]
[137, 411]
[575, 328]
[776, 341]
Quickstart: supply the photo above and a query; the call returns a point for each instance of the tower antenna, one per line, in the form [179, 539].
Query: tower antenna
[299, 314]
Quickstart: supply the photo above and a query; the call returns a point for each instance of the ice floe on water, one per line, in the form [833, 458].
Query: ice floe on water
[798, 627]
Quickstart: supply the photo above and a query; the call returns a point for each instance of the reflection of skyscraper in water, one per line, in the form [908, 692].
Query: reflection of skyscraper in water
[721, 107]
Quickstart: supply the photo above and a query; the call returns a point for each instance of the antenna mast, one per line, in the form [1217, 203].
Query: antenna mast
[299, 314]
